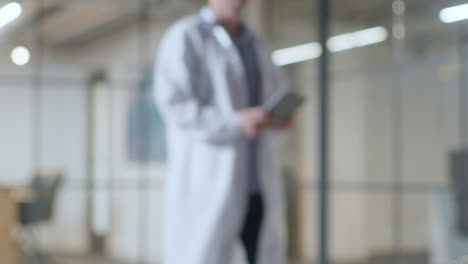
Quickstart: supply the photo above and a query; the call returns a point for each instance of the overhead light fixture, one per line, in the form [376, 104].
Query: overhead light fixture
[9, 12]
[357, 39]
[20, 56]
[335, 44]
[297, 54]
[454, 13]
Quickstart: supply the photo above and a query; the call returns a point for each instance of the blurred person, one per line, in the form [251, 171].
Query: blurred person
[225, 197]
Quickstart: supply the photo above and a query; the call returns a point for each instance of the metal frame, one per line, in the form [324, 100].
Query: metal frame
[324, 18]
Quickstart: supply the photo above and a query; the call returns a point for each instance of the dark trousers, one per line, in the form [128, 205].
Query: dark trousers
[252, 224]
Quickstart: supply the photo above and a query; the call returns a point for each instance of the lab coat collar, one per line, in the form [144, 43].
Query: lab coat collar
[208, 17]
[209, 22]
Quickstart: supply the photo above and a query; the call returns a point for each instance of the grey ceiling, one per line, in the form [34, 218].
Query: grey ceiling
[76, 22]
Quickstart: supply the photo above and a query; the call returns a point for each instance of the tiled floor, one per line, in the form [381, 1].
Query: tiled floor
[416, 259]
[72, 260]
[85, 260]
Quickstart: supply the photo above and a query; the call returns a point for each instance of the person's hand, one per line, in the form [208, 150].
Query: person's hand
[254, 121]
[289, 123]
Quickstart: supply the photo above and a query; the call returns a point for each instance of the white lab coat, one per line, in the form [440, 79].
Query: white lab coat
[200, 85]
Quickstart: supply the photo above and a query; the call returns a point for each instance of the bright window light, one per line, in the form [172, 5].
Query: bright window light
[357, 39]
[297, 54]
[454, 14]
[9, 12]
[20, 56]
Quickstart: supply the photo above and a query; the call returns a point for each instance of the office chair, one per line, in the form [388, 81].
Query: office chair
[40, 209]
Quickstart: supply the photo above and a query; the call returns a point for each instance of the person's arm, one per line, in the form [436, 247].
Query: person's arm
[176, 77]
[175, 83]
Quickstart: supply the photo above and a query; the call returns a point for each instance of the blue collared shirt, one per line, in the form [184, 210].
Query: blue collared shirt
[245, 43]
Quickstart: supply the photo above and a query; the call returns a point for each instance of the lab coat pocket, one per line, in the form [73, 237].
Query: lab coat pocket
[204, 168]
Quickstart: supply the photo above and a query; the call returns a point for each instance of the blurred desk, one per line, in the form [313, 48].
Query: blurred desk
[9, 199]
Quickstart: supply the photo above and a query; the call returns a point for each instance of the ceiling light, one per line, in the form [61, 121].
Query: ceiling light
[297, 54]
[9, 12]
[357, 39]
[454, 13]
[20, 56]
[337, 43]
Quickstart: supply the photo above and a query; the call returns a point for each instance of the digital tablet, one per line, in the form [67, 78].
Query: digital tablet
[282, 104]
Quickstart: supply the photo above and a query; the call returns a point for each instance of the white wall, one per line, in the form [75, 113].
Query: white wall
[65, 140]
[15, 132]
[361, 148]
[348, 227]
